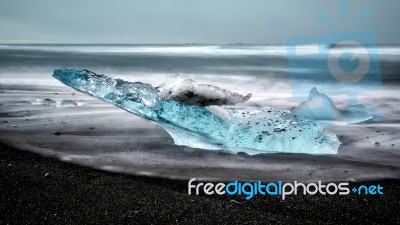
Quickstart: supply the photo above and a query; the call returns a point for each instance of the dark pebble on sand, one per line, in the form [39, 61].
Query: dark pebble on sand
[350, 179]
[56, 133]
[392, 144]
[133, 212]
[221, 153]
[69, 103]
[91, 128]
[377, 144]
[5, 121]
[236, 202]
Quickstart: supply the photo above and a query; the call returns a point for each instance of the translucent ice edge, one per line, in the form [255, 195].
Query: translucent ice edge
[320, 107]
[196, 124]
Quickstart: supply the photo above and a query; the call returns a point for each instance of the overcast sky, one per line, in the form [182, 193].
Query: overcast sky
[184, 21]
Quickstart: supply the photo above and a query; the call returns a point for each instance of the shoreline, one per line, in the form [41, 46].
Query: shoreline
[35, 189]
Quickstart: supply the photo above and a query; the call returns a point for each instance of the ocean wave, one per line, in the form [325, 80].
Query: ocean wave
[191, 50]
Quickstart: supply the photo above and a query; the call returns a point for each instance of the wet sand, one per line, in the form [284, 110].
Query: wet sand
[102, 136]
[38, 190]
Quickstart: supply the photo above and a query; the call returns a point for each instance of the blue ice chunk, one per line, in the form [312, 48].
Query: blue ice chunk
[253, 129]
[321, 108]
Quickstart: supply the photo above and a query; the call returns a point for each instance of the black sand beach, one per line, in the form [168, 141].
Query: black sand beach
[38, 190]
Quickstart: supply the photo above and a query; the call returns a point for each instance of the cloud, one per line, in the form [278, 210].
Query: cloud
[181, 21]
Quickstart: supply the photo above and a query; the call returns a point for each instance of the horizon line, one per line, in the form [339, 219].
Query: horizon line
[188, 43]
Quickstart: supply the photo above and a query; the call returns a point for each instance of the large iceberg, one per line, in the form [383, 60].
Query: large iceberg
[196, 115]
